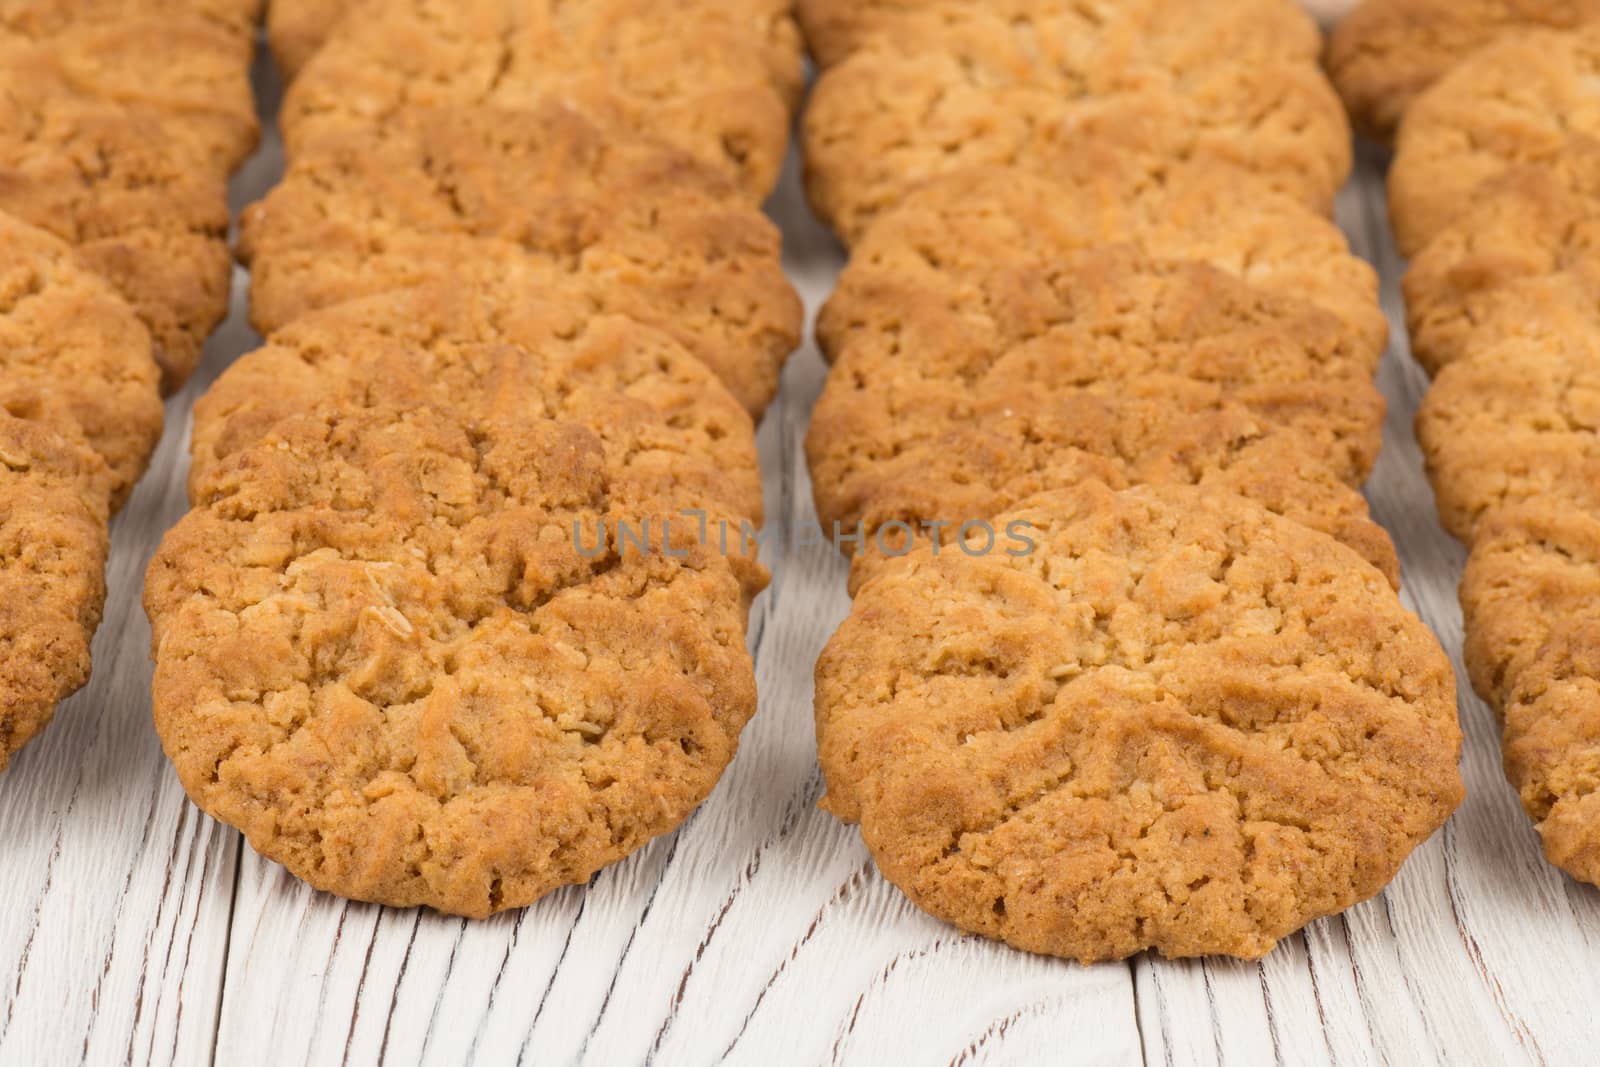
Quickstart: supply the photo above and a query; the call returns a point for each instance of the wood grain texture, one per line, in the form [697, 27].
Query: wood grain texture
[136, 930]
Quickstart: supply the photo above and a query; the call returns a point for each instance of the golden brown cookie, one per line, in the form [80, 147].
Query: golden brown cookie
[297, 29]
[1178, 723]
[74, 357]
[522, 201]
[655, 409]
[1521, 264]
[187, 71]
[1175, 30]
[144, 209]
[40, 17]
[1527, 99]
[383, 655]
[53, 545]
[1530, 594]
[932, 358]
[1003, 234]
[1021, 439]
[1387, 51]
[1518, 423]
[981, 91]
[697, 75]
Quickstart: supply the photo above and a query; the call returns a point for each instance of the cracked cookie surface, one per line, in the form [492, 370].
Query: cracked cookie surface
[1020, 440]
[74, 357]
[381, 653]
[653, 406]
[702, 77]
[1005, 235]
[1529, 597]
[1176, 31]
[1528, 99]
[1387, 51]
[980, 91]
[1518, 424]
[1522, 264]
[1180, 723]
[915, 358]
[529, 200]
[53, 545]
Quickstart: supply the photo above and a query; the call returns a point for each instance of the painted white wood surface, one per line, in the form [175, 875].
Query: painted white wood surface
[136, 930]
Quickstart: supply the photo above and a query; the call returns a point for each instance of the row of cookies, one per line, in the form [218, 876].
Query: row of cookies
[1495, 191]
[1125, 667]
[458, 616]
[114, 159]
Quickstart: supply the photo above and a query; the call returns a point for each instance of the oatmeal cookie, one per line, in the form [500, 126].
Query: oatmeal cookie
[1179, 723]
[1517, 424]
[982, 91]
[1021, 440]
[1175, 31]
[698, 76]
[932, 359]
[1521, 264]
[1533, 646]
[1387, 51]
[1527, 99]
[53, 545]
[74, 357]
[655, 408]
[525, 200]
[383, 655]
[1004, 234]
[143, 209]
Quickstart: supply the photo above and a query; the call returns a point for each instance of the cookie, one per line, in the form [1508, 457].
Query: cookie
[381, 653]
[1003, 233]
[1529, 596]
[1021, 441]
[53, 545]
[655, 409]
[183, 69]
[145, 211]
[74, 357]
[984, 92]
[36, 18]
[1169, 28]
[1177, 723]
[1517, 424]
[1388, 51]
[698, 76]
[297, 29]
[1524, 100]
[931, 357]
[1520, 265]
[524, 200]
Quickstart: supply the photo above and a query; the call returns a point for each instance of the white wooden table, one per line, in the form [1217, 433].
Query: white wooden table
[135, 929]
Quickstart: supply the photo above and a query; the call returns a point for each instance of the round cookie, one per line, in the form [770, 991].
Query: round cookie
[1003, 234]
[1023, 441]
[656, 409]
[178, 66]
[143, 208]
[1099, 322]
[1177, 723]
[1387, 51]
[1518, 423]
[1522, 264]
[979, 91]
[1527, 99]
[385, 653]
[1176, 30]
[700, 77]
[528, 200]
[1529, 596]
[74, 357]
[53, 545]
